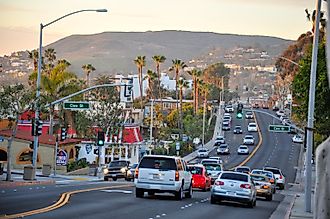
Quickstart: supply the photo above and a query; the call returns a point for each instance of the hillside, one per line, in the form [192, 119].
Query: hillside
[114, 52]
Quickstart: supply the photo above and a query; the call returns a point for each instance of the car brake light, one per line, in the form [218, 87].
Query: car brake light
[219, 183]
[245, 186]
[271, 181]
[136, 173]
[177, 176]
[265, 187]
[281, 176]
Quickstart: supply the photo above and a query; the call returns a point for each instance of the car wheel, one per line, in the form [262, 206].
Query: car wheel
[189, 194]
[269, 197]
[251, 204]
[128, 179]
[281, 187]
[179, 194]
[114, 179]
[139, 193]
[106, 178]
[213, 200]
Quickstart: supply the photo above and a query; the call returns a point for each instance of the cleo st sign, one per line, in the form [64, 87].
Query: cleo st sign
[278, 128]
[76, 105]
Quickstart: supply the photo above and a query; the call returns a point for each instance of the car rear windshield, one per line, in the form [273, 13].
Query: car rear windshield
[161, 163]
[214, 167]
[223, 146]
[234, 176]
[118, 164]
[196, 170]
[259, 178]
[252, 125]
[242, 169]
[275, 171]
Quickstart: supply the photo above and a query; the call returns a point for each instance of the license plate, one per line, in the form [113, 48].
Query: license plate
[114, 175]
[156, 176]
[231, 193]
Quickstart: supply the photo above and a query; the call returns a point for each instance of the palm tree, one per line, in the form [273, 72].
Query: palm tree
[205, 89]
[140, 62]
[199, 84]
[195, 75]
[34, 55]
[88, 68]
[50, 55]
[182, 84]
[64, 61]
[151, 77]
[177, 65]
[159, 59]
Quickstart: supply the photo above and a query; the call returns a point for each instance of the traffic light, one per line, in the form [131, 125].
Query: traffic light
[63, 133]
[38, 127]
[239, 114]
[128, 88]
[96, 151]
[33, 128]
[100, 138]
[31, 145]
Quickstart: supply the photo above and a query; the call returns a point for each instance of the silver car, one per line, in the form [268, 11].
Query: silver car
[234, 186]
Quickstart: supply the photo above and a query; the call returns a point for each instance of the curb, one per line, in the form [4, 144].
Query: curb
[289, 209]
[5, 184]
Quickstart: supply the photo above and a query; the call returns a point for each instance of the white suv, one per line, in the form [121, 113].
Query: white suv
[252, 127]
[280, 178]
[159, 174]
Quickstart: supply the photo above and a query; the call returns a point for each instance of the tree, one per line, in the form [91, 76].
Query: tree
[15, 99]
[150, 77]
[88, 68]
[182, 84]
[50, 56]
[300, 88]
[158, 59]
[177, 65]
[195, 73]
[34, 55]
[140, 62]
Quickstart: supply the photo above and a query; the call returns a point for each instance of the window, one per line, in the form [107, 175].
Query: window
[196, 170]
[25, 157]
[179, 164]
[3, 155]
[118, 164]
[158, 163]
[234, 176]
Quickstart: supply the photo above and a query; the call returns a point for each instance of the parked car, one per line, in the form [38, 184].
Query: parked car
[220, 139]
[249, 115]
[243, 149]
[117, 169]
[280, 113]
[263, 186]
[269, 174]
[238, 130]
[203, 152]
[243, 169]
[217, 159]
[213, 170]
[252, 127]
[234, 186]
[279, 177]
[223, 149]
[248, 140]
[201, 179]
[159, 174]
[297, 139]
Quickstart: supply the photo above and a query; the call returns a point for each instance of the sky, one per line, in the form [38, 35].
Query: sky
[20, 19]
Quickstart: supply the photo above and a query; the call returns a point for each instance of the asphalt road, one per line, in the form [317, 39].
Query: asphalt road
[276, 150]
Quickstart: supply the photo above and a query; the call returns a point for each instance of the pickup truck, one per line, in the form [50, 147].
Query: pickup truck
[118, 169]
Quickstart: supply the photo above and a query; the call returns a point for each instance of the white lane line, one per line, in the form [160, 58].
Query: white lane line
[182, 208]
[163, 215]
[3, 191]
[117, 191]
[157, 216]
[43, 187]
[15, 190]
[30, 188]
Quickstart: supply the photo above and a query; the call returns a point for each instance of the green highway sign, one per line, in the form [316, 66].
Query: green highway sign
[279, 128]
[76, 105]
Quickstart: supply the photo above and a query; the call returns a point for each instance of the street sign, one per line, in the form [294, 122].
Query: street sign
[76, 105]
[279, 128]
[61, 158]
[177, 146]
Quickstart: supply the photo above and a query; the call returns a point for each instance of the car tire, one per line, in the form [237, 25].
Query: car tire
[269, 197]
[139, 193]
[106, 178]
[114, 179]
[179, 194]
[213, 200]
[251, 204]
[281, 186]
[189, 194]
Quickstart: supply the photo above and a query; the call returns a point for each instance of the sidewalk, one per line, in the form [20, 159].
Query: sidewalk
[17, 179]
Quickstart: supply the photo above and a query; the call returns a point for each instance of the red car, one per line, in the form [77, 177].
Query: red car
[201, 180]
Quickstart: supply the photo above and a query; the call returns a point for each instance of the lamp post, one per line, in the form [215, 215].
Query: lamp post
[37, 106]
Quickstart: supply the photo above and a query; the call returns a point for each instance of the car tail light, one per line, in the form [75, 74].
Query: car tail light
[177, 177]
[219, 183]
[245, 186]
[265, 187]
[281, 177]
[271, 181]
[136, 173]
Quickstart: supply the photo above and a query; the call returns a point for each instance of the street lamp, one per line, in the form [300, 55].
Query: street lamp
[37, 106]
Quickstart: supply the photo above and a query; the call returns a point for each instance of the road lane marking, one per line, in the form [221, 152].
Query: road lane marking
[117, 191]
[64, 198]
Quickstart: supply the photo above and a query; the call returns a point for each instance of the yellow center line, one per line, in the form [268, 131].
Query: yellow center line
[255, 149]
[62, 201]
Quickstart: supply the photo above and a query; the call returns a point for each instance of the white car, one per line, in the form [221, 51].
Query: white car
[223, 149]
[297, 139]
[243, 149]
[252, 127]
[226, 114]
[280, 113]
[220, 140]
[234, 186]
[229, 109]
[216, 158]
[249, 115]
[225, 125]
[159, 174]
[203, 152]
[280, 178]
[227, 118]
[248, 139]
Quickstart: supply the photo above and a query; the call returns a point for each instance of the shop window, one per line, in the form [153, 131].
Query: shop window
[3, 155]
[25, 157]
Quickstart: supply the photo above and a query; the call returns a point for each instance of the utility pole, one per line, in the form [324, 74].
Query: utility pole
[151, 119]
[55, 154]
[311, 104]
